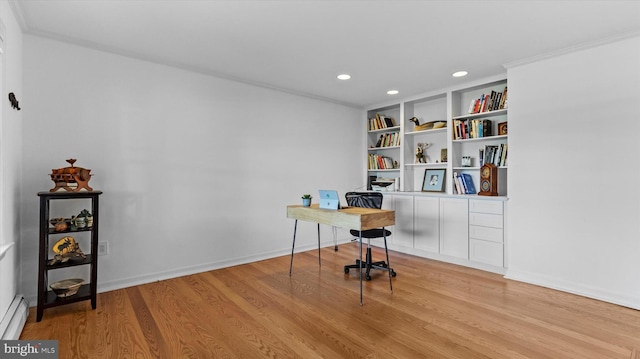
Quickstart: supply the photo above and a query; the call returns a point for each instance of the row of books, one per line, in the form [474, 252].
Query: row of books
[463, 183]
[489, 102]
[378, 162]
[496, 154]
[389, 139]
[464, 129]
[380, 122]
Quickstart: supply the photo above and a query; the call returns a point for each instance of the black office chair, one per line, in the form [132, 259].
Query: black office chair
[369, 200]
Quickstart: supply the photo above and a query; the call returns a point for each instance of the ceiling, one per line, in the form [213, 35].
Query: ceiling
[301, 46]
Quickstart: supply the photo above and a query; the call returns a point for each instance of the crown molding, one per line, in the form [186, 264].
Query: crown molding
[19, 15]
[572, 49]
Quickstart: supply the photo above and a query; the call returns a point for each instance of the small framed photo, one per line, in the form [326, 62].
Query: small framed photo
[443, 155]
[433, 180]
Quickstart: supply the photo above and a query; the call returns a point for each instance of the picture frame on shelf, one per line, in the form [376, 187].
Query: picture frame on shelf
[443, 155]
[434, 180]
[502, 128]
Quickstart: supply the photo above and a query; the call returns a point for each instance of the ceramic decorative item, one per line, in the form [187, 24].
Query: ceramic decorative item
[88, 218]
[67, 287]
[81, 222]
[60, 225]
[67, 249]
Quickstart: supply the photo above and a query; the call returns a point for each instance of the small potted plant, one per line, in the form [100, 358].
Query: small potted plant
[306, 200]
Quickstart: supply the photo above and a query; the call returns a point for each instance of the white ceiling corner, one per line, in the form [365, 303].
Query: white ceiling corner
[301, 46]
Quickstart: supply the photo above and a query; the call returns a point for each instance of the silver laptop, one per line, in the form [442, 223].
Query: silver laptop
[329, 199]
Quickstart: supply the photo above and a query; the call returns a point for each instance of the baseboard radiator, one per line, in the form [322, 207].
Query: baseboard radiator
[15, 318]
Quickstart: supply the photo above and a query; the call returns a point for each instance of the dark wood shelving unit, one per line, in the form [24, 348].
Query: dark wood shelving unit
[88, 291]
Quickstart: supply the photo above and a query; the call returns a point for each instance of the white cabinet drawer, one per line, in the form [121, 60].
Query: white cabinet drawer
[493, 207]
[486, 252]
[486, 233]
[487, 220]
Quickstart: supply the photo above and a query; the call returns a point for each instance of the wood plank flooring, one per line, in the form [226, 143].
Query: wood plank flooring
[437, 310]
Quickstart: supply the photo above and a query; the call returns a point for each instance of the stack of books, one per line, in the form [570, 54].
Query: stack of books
[377, 162]
[465, 129]
[496, 154]
[463, 183]
[489, 102]
[380, 122]
[389, 139]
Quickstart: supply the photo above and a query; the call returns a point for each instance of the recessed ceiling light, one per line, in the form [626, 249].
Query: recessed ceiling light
[392, 92]
[344, 77]
[459, 74]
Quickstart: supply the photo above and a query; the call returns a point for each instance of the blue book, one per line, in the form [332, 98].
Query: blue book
[468, 183]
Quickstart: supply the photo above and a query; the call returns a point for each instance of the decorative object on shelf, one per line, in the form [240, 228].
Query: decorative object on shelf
[67, 287]
[80, 222]
[488, 180]
[306, 200]
[71, 178]
[443, 155]
[426, 126]
[67, 249]
[14, 101]
[466, 161]
[420, 155]
[59, 224]
[433, 180]
[502, 128]
[83, 218]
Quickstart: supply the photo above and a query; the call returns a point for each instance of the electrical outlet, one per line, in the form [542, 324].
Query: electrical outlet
[103, 248]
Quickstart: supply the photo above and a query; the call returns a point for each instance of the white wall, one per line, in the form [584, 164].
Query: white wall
[574, 207]
[10, 157]
[196, 171]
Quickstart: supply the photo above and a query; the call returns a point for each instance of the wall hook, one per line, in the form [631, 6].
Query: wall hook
[14, 101]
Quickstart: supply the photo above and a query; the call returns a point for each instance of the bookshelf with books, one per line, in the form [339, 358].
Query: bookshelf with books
[384, 141]
[479, 135]
[451, 222]
[458, 129]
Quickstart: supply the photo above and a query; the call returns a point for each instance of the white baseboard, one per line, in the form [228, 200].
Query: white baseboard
[13, 322]
[622, 299]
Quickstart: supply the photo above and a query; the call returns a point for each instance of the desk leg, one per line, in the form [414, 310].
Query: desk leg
[335, 238]
[360, 267]
[319, 264]
[295, 226]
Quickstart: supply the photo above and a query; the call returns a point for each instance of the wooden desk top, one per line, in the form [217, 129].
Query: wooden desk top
[351, 217]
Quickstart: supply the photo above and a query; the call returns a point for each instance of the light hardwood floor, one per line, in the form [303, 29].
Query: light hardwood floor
[437, 310]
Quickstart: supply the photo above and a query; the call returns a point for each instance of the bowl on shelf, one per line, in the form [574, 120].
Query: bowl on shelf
[66, 287]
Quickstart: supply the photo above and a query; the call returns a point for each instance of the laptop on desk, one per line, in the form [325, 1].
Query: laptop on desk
[329, 199]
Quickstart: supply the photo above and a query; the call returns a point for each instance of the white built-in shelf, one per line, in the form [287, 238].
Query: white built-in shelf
[383, 148]
[488, 138]
[475, 168]
[482, 114]
[386, 129]
[437, 130]
[431, 165]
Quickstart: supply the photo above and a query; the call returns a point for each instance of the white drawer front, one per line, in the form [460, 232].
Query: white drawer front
[494, 207]
[486, 233]
[487, 220]
[486, 252]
